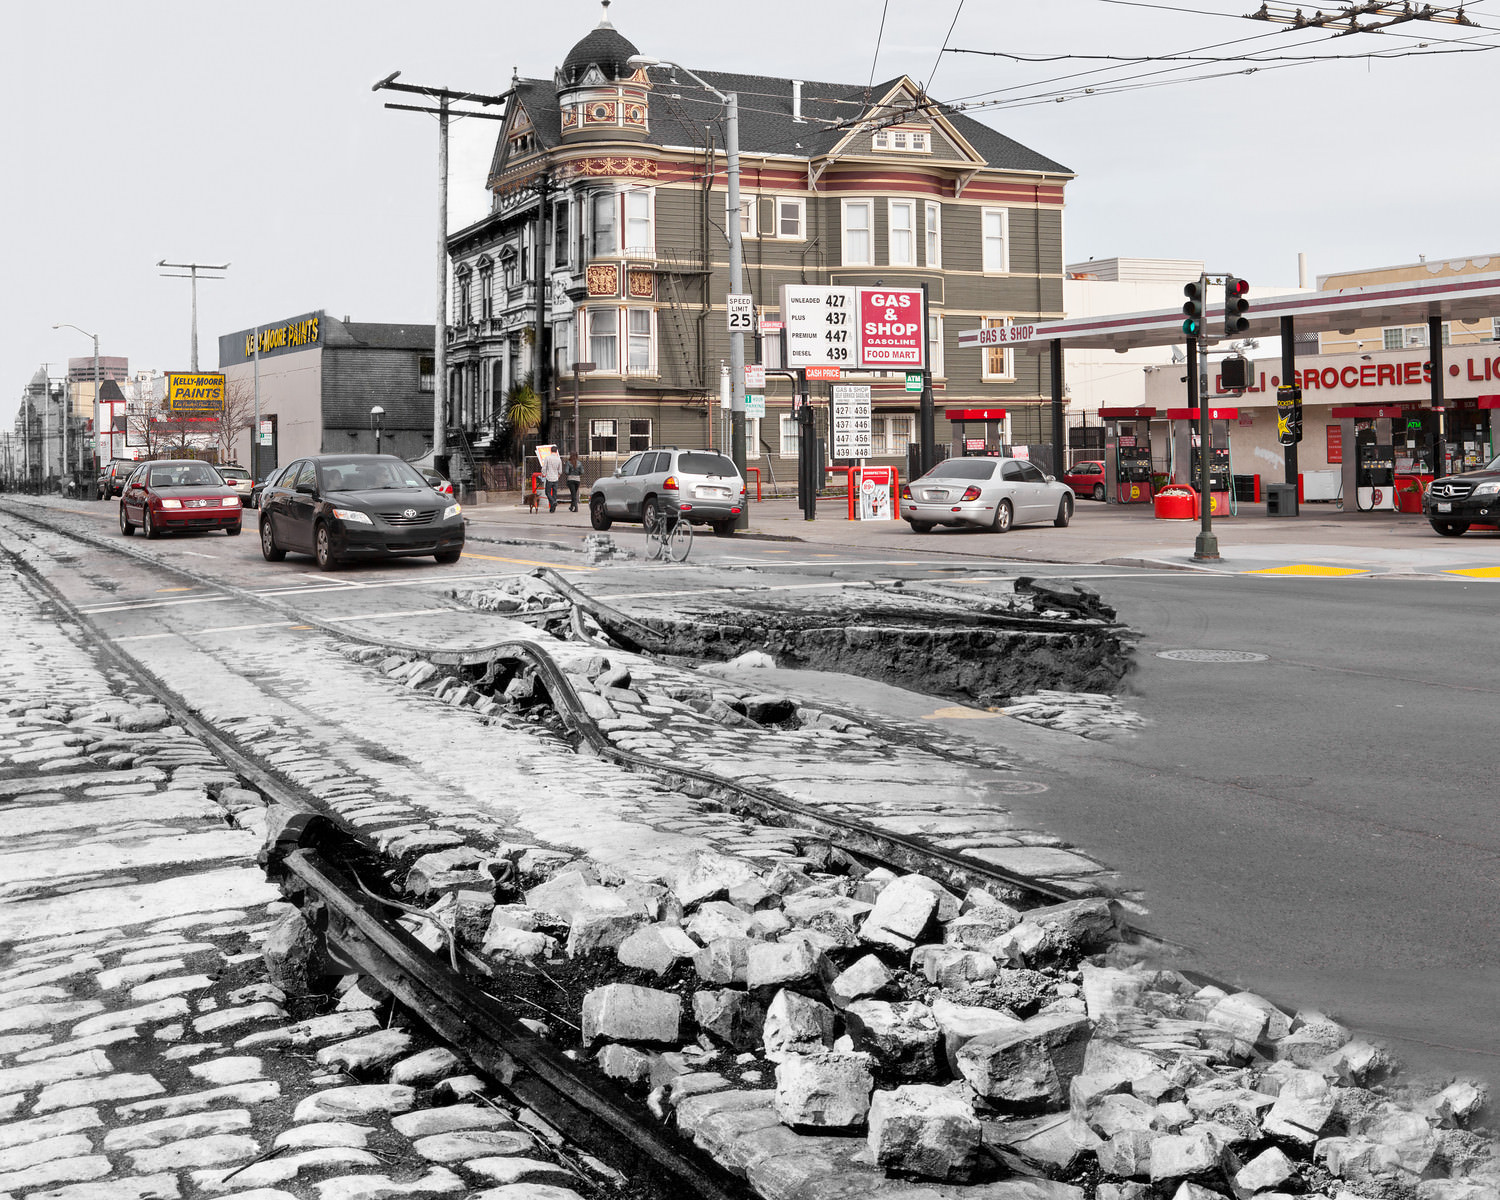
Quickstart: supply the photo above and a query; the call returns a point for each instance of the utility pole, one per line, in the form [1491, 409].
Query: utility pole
[255, 475]
[445, 98]
[192, 270]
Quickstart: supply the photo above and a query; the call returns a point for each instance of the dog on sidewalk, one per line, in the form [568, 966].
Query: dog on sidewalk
[533, 500]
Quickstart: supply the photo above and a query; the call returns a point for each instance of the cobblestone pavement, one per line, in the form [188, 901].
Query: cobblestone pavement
[143, 1053]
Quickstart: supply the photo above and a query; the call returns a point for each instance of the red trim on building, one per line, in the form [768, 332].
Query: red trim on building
[1126, 413]
[1214, 414]
[1487, 401]
[1365, 411]
[974, 414]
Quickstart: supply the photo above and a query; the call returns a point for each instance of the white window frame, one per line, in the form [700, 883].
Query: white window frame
[910, 229]
[992, 264]
[631, 336]
[631, 436]
[790, 436]
[902, 141]
[604, 428]
[868, 230]
[565, 227]
[883, 431]
[935, 361]
[932, 233]
[1393, 338]
[1007, 354]
[749, 216]
[614, 335]
[800, 205]
[630, 247]
[604, 202]
[752, 437]
[881, 140]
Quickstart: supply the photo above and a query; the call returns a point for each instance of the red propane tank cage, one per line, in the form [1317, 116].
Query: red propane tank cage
[1176, 502]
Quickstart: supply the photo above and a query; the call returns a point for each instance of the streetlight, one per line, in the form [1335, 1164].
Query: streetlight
[731, 103]
[377, 419]
[93, 485]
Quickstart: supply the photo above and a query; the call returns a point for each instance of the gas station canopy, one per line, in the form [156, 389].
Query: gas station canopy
[1464, 298]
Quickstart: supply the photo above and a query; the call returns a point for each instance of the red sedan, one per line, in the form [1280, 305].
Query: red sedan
[178, 494]
[1086, 479]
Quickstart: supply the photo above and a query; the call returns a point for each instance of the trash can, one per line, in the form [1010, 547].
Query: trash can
[1281, 499]
[1176, 502]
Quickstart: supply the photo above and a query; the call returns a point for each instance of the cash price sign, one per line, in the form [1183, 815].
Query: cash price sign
[853, 329]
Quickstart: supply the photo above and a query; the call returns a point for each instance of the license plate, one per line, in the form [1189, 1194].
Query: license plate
[715, 492]
[1445, 506]
[934, 495]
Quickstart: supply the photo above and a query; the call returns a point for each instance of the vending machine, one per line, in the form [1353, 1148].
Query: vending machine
[1127, 454]
[1187, 454]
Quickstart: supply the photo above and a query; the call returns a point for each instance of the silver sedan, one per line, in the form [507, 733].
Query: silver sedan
[993, 493]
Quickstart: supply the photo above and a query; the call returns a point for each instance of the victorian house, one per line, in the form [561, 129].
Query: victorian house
[606, 244]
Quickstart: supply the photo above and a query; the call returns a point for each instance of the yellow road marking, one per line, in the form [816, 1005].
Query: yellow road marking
[300, 627]
[1477, 572]
[959, 713]
[526, 562]
[1309, 569]
[776, 551]
[181, 589]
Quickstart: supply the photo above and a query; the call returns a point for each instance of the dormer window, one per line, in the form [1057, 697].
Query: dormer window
[905, 141]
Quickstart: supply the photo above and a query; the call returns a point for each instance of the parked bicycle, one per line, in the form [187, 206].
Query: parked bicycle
[670, 535]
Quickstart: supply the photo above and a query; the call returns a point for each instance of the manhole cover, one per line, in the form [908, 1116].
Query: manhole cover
[1212, 656]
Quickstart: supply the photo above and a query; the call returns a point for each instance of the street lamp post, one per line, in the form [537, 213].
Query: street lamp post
[731, 103]
[95, 482]
[377, 419]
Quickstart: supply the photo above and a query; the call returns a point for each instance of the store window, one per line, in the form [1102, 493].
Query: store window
[604, 339]
[996, 240]
[999, 361]
[603, 437]
[902, 236]
[857, 233]
[1404, 336]
[602, 222]
[639, 333]
[791, 217]
[934, 235]
[639, 240]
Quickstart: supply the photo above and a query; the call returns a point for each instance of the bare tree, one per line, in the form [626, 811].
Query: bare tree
[237, 415]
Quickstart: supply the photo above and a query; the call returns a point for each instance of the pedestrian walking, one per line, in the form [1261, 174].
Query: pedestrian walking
[573, 471]
[551, 473]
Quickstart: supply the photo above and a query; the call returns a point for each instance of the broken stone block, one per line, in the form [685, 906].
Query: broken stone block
[517, 916]
[776, 964]
[952, 966]
[733, 1017]
[1458, 1103]
[796, 1024]
[1410, 1136]
[1195, 1191]
[504, 942]
[1122, 1191]
[949, 906]
[1058, 931]
[1107, 992]
[902, 1037]
[1180, 1156]
[1302, 1108]
[1127, 1154]
[1223, 1102]
[867, 977]
[1265, 1172]
[290, 952]
[705, 875]
[1313, 1036]
[717, 919]
[1363, 1162]
[752, 895]
[823, 1091]
[977, 927]
[1048, 1142]
[556, 899]
[625, 1013]
[1106, 1056]
[1029, 1066]
[1155, 1087]
[958, 1023]
[927, 1131]
[1358, 1062]
[723, 960]
[816, 904]
[901, 913]
[1249, 1017]
[366, 1053]
[1173, 1116]
[872, 883]
[656, 948]
[1113, 1114]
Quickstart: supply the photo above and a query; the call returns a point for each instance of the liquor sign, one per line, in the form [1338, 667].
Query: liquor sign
[890, 327]
[853, 328]
[851, 421]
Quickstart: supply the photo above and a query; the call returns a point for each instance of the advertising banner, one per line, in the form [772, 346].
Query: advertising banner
[875, 494]
[890, 327]
[199, 394]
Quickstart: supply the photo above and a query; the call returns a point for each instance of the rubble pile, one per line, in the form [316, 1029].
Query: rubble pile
[824, 1022]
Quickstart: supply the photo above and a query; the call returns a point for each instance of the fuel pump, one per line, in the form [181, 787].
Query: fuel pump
[1187, 454]
[1127, 454]
[1374, 465]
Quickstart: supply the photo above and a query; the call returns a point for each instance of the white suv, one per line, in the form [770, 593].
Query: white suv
[704, 484]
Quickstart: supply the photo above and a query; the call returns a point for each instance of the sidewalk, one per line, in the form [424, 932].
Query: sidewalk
[1320, 541]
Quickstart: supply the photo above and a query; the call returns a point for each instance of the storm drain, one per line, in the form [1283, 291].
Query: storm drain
[1212, 656]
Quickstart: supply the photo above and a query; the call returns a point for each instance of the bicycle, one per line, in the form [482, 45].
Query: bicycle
[670, 535]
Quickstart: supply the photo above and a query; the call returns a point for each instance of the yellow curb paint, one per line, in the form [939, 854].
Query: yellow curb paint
[959, 713]
[1476, 572]
[181, 589]
[527, 562]
[1309, 569]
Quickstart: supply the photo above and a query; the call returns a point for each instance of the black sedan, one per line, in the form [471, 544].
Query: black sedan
[1454, 503]
[339, 507]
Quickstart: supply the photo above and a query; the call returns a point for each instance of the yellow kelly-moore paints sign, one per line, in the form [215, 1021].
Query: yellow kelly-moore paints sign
[195, 393]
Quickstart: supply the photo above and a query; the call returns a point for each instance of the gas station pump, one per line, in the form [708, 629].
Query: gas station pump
[1186, 453]
[1370, 472]
[1127, 454]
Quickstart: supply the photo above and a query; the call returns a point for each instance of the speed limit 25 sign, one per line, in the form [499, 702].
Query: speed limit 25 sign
[741, 313]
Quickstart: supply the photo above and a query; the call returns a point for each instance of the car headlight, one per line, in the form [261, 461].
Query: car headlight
[452, 511]
[230, 501]
[353, 516]
[168, 502]
[1487, 489]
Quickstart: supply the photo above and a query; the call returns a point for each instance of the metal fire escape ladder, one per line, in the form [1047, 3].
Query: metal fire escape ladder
[674, 272]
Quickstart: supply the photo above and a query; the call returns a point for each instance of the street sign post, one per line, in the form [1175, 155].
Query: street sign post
[741, 312]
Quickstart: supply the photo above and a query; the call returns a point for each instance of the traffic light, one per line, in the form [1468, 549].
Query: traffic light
[1288, 415]
[1235, 306]
[1193, 309]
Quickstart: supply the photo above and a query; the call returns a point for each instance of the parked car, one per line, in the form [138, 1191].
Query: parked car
[178, 495]
[338, 507]
[112, 477]
[1453, 503]
[253, 500]
[706, 486]
[436, 480]
[994, 493]
[238, 478]
[1086, 479]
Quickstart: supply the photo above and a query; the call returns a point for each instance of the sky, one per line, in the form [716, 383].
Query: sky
[249, 135]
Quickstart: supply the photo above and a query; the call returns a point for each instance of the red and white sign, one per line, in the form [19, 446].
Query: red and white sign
[755, 377]
[1335, 443]
[996, 335]
[973, 443]
[890, 327]
[823, 373]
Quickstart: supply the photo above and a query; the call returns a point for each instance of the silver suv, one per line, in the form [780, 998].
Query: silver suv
[704, 484]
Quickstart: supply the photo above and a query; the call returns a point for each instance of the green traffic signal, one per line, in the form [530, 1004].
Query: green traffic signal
[1193, 309]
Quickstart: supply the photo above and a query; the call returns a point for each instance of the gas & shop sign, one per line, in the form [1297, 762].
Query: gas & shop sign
[195, 394]
[853, 328]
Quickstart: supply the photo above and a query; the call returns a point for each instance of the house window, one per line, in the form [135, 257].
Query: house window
[486, 293]
[603, 213]
[905, 140]
[638, 239]
[640, 435]
[902, 244]
[604, 339]
[934, 235]
[1414, 335]
[463, 313]
[560, 234]
[881, 140]
[890, 436]
[770, 351]
[752, 437]
[857, 233]
[639, 348]
[790, 437]
[790, 215]
[919, 141]
[935, 345]
[603, 438]
[747, 217]
[999, 361]
[527, 242]
[996, 240]
[426, 373]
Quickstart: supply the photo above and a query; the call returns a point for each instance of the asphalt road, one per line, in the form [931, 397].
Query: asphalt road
[1319, 825]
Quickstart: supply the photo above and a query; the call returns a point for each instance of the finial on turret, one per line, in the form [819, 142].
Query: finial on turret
[604, 19]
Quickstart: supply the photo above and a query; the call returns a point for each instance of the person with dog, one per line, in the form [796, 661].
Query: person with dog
[573, 471]
[551, 473]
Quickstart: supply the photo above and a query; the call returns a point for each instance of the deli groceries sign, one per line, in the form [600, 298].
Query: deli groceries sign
[852, 328]
[1398, 378]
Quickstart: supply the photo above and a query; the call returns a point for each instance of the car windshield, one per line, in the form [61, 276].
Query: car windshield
[233, 473]
[706, 464]
[1492, 465]
[186, 474]
[368, 475]
[963, 468]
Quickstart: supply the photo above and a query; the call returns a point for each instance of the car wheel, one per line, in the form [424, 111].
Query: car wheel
[234, 530]
[269, 550]
[1004, 516]
[125, 526]
[599, 517]
[323, 549]
[921, 526]
[724, 528]
[1064, 513]
[148, 526]
[648, 513]
[1451, 528]
[1099, 492]
[448, 556]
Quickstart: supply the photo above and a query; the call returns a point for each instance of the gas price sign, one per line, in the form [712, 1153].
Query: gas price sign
[852, 328]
